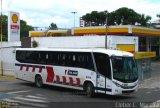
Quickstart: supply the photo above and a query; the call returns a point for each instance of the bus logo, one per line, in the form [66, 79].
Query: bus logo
[14, 18]
[71, 72]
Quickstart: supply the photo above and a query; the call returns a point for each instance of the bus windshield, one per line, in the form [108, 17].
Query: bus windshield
[124, 69]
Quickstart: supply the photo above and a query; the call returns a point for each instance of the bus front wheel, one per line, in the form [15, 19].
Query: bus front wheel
[90, 90]
[38, 81]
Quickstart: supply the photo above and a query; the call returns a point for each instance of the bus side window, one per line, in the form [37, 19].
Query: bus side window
[20, 56]
[42, 57]
[90, 62]
[29, 56]
[70, 59]
[84, 60]
[35, 57]
[52, 58]
[64, 61]
[103, 64]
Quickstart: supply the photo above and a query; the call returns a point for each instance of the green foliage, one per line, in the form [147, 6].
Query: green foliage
[53, 26]
[34, 44]
[24, 29]
[95, 18]
[121, 16]
[125, 16]
[4, 27]
[144, 19]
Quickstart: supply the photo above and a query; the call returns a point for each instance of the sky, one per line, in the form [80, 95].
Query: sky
[41, 13]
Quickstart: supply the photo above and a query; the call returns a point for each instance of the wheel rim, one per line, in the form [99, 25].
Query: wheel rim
[88, 90]
[38, 81]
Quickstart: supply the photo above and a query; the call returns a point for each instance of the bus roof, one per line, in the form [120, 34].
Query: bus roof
[110, 52]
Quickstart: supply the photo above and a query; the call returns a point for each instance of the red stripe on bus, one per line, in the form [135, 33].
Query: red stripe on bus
[64, 79]
[70, 80]
[27, 67]
[50, 75]
[33, 68]
[78, 81]
[21, 66]
[40, 69]
[57, 78]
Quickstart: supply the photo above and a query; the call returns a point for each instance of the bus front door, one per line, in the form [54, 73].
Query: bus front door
[103, 73]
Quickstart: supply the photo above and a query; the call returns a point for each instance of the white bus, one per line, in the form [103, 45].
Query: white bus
[105, 71]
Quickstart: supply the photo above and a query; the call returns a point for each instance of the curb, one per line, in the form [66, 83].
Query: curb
[11, 77]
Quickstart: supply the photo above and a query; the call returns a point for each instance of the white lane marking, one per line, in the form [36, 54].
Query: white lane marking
[156, 90]
[11, 100]
[31, 100]
[35, 97]
[39, 95]
[158, 101]
[148, 92]
[33, 104]
[18, 92]
[26, 103]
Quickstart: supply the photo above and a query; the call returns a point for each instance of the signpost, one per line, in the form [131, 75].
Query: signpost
[1, 68]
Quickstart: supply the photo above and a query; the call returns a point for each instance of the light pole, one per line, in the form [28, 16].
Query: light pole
[1, 41]
[106, 33]
[74, 17]
[158, 15]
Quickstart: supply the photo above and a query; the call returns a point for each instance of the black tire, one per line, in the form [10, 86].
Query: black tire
[90, 91]
[38, 81]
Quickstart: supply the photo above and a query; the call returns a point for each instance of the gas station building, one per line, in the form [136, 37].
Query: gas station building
[148, 39]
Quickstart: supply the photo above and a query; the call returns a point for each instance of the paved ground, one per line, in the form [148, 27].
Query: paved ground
[26, 95]
[154, 81]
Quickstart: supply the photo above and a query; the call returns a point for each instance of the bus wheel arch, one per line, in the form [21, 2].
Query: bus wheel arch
[38, 81]
[89, 88]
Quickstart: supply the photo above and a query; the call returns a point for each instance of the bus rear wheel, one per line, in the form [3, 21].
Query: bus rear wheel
[38, 81]
[89, 90]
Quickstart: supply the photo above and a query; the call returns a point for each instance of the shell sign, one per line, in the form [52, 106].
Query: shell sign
[14, 18]
[13, 26]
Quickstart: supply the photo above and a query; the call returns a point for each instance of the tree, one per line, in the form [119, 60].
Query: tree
[95, 18]
[121, 16]
[34, 44]
[4, 27]
[24, 29]
[53, 26]
[144, 19]
[125, 16]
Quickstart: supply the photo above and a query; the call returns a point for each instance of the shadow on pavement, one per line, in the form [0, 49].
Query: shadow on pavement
[78, 92]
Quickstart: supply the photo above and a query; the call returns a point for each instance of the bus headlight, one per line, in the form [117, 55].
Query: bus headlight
[118, 85]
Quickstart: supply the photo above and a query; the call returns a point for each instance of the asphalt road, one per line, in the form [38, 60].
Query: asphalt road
[25, 95]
